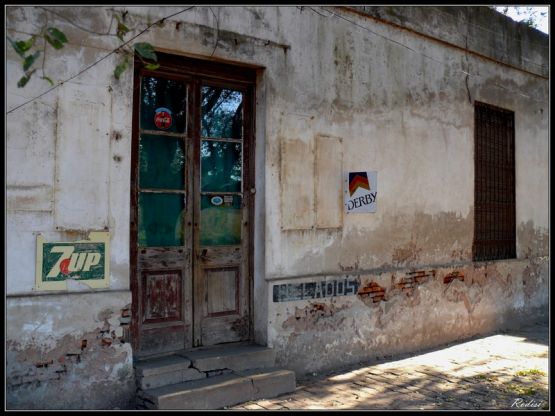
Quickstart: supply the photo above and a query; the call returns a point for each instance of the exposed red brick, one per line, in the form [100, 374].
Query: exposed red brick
[452, 276]
[41, 364]
[420, 276]
[370, 288]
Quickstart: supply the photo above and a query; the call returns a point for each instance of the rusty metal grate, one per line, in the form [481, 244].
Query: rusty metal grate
[494, 184]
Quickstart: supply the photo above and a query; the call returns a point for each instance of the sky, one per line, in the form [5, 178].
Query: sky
[522, 13]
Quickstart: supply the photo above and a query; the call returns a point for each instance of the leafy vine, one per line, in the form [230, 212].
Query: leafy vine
[29, 50]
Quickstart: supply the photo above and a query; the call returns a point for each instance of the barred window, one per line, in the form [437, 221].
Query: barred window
[494, 183]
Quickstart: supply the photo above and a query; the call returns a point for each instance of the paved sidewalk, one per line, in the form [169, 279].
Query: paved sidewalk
[502, 371]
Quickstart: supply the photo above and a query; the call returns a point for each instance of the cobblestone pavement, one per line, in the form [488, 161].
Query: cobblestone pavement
[506, 370]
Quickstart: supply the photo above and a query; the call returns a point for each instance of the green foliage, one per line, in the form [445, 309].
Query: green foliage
[521, 390]
[48, 79]
[121, 68]
[55, 37]
[121, 30]
[152, 67]
[57, 40]
[25, 79]
[526, 15]
[22, 46]
[52, 35]
[145, 50]
[30, 60]
[22, 81]
[533, 372]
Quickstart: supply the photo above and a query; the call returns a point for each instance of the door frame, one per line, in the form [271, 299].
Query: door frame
[213, 72]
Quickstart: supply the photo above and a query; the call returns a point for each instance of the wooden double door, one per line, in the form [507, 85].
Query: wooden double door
[192, 193]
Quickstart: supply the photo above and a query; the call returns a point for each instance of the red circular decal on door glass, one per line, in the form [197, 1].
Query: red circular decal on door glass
[163, 118]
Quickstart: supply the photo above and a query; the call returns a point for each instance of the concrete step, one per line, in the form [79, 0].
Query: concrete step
[163, 371]
[218, 392]
[236, 358]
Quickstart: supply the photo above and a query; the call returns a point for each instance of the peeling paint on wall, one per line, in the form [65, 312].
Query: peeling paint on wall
[413, 124]
[316, 315]
[87, 368]
[404, 310]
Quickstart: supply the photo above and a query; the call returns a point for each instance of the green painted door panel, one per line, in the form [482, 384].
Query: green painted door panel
[220, 224]
[161, 162]
[220, 166]
[161, 219]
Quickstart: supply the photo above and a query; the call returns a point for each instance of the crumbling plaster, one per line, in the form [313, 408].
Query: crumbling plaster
[69, 351]
[404, 111]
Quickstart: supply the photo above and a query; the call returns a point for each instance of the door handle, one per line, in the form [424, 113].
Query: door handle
[203, 255]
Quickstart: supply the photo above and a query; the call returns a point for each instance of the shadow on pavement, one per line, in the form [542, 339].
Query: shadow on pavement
[501, 374]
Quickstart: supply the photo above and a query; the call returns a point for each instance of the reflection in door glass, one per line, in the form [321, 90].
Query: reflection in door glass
[220, 166]
[161, 219]
[163, 104]
[222, 113]
[220, 220]
[161, 162]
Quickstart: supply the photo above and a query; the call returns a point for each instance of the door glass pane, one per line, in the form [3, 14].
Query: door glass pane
[161, 219]
[220, 166]
[222, 113]
[163, 104]
[161, 162]
[220, 220]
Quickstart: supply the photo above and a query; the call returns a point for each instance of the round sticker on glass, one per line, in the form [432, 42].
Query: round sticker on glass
[163, 118]
[217, 200]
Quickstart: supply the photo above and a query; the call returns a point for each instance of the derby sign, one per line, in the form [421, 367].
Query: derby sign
[84, 261]
[361, 189]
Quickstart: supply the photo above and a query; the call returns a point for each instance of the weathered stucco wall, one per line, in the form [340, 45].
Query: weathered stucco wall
[360, 317]
[68, 165]
[407, 112]
[69, 351]
[333, 96]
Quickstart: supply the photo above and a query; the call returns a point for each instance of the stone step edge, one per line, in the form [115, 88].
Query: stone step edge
[250, 377]
[161, 365]
[181, 360]
[208, 361]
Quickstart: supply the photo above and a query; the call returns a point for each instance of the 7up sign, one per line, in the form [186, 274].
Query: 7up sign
[84, 261]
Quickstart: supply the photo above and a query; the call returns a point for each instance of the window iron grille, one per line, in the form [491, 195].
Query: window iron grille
[494, 184]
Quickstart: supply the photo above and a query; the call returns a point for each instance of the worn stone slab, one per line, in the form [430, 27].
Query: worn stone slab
[270, 383]
[206, 394]
[221, 391]
[174, 377]
[161, 365]
[235, 358]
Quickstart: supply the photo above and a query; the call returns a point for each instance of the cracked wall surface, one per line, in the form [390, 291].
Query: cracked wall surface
[405, 311]
[69, 352]
[332, 96]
